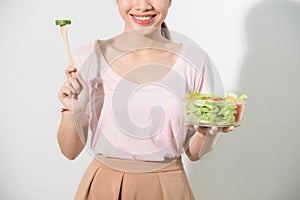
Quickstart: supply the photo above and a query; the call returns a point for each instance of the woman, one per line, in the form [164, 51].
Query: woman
[127, 93]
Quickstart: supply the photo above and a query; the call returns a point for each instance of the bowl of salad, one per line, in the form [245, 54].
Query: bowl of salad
[212, 110]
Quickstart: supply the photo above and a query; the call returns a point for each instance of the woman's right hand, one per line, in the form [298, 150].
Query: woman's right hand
[71, 88]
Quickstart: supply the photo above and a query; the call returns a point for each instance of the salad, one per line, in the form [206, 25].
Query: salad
[209, 109]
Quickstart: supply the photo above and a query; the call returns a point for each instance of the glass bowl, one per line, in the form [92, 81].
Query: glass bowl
[214, 112]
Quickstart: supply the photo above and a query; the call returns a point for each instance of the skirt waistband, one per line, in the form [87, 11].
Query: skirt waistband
[137, 166]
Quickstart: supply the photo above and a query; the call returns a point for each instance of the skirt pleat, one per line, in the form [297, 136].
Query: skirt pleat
[106, 186]
[175, 185]
[84, 187]
[100, 182]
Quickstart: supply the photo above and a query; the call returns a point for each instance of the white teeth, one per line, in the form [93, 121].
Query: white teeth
[143, 18]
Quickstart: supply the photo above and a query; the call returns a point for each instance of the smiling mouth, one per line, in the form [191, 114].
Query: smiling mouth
[143, 19]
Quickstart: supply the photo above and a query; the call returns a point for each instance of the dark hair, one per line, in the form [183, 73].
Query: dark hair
[165, 31]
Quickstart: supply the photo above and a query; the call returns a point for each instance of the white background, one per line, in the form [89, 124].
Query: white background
[255, 45]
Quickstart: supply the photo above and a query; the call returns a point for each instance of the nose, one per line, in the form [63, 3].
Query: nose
[143, 5]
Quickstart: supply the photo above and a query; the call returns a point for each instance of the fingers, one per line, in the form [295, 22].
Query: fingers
[70, 85]
[212, 130]
[70, 88]
[197, 128]
[228, 129]
[65, 92]
[202, 129]
[75, 85]
[75, 82]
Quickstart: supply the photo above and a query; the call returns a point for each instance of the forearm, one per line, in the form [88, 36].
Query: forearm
[70, 142]
[200, 144]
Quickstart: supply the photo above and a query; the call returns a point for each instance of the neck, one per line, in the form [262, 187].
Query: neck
[143, 38]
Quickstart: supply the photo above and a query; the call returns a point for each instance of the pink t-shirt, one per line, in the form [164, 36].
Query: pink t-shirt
[142, 121]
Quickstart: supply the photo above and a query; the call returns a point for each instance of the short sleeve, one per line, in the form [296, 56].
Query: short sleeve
[208, 80]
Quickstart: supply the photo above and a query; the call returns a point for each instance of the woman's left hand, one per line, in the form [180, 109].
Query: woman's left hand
[204, 130]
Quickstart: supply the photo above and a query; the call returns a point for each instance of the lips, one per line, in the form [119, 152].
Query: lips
[143, 19]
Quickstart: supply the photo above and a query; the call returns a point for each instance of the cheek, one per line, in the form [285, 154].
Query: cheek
[123, 5]
[161, 5]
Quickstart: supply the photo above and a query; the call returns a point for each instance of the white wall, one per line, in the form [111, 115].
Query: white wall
[255, 45]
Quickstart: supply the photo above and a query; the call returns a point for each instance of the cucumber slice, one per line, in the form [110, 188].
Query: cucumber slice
[243, 97]
[62, 22]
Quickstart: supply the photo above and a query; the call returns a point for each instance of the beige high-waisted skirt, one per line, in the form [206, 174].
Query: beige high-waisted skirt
[103, 181]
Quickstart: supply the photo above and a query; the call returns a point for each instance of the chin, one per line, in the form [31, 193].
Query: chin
[146, 30]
